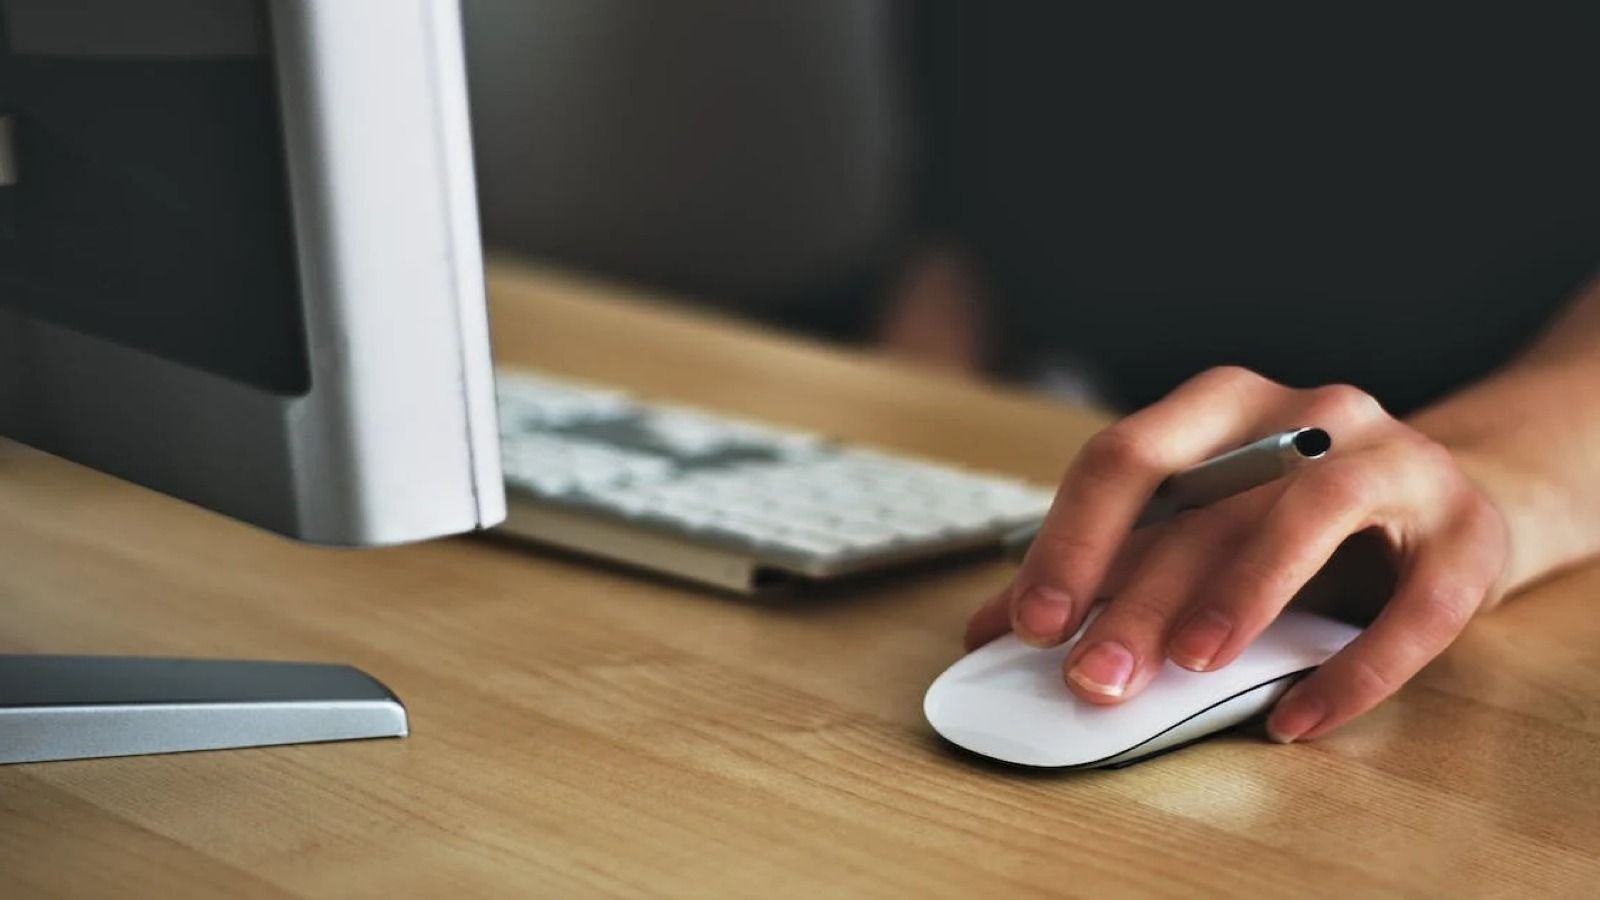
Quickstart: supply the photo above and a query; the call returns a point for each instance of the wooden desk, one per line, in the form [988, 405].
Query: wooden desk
[579, 731]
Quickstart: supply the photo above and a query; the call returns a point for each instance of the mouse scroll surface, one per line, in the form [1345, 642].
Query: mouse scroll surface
[1008, 701]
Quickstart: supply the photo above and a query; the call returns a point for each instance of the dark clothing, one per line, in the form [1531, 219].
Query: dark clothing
[1393, 194]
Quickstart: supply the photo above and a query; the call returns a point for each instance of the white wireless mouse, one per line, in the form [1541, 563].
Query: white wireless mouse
[1008, 701]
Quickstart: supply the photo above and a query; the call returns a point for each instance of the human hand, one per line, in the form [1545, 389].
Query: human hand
[1200, 587]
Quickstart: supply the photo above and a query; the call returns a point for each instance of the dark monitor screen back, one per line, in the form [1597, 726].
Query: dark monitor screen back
[150, 205]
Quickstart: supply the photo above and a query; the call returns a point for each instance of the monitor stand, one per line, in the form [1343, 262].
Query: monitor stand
[79, 707]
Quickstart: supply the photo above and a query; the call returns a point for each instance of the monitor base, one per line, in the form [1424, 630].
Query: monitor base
[81, 707]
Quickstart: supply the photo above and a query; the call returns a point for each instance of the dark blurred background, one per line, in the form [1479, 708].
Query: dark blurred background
[1103, 199]
[749, 154]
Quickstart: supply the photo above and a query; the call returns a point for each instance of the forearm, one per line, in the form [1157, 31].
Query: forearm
[1530, 436]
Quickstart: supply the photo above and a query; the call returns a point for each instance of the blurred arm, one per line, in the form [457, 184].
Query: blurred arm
[935, 314]
[936, 311]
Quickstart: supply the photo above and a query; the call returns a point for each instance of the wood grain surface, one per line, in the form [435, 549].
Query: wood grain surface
[583, 731]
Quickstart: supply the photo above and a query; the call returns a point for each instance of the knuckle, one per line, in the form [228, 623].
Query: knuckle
[1487, 527]
[1064, 551]
[1255, 576]
[1435, 457]
[1443, 609]
[1119, 450]
[1235, 380]
[1480, 514]
[1342, 404]
[1370, 682]
[1136, 612]
[1235, 377]
[1431, 463]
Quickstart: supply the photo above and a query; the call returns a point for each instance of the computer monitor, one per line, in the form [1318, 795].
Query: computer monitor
[240, 264]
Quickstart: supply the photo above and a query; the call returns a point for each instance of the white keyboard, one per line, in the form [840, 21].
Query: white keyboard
[722, 500]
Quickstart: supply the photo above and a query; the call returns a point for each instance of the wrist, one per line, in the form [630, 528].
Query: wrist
[1547, 530]
[1515, 498]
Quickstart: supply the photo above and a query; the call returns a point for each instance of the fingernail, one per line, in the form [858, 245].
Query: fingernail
[1295, 715]
[1200, 639]
[1105, 669]
[1042, 615]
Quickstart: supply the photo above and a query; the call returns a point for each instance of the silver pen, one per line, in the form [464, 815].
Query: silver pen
[1218, 478]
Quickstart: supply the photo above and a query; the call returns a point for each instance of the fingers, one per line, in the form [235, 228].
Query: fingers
[1213, 597]
[1108, 485]
[1395, 485]
[1121, 651]
[1210, 582]
[1446, 583]
[1202, 616]
[993, 618]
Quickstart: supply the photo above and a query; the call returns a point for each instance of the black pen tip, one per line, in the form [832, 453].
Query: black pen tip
[1312, 442]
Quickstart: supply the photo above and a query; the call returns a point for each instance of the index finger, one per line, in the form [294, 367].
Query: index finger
[1109, 483]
